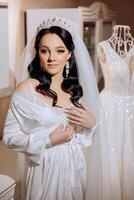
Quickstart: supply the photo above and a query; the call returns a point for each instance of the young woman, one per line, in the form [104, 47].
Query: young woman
[52, 117]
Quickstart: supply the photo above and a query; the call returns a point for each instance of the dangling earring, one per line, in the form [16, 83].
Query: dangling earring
[67, 69]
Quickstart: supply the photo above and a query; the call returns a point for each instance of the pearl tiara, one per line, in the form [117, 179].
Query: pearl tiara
[56, 21]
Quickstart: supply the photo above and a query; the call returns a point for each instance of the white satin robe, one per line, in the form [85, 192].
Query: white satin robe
[55, 173]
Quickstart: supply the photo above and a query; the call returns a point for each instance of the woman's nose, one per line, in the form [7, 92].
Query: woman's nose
[51, 57]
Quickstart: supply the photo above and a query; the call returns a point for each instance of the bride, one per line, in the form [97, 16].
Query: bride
[54, 119]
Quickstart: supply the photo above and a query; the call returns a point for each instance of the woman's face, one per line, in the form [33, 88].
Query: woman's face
[53, 54]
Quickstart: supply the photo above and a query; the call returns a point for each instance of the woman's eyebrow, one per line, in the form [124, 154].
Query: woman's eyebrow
[60, 47]
[57, 47]
[44, 46]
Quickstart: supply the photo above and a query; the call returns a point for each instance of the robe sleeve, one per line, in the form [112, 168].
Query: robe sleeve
[31, 142]
[86, 137]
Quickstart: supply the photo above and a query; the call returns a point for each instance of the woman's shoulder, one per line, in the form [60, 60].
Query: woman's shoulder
[26, 84]
[26, 88]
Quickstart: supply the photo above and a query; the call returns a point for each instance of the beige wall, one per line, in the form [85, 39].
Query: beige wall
[4, 102]
[125, 15]
[48, 4]
[124, 9]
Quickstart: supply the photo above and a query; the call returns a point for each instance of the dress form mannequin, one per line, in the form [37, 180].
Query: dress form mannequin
[122, 43]
[116, 56]
[121, 40]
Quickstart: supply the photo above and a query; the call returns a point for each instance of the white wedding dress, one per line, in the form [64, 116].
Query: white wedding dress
[118, 103]
[55, 173]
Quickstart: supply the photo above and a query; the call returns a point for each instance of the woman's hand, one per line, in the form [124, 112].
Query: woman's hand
[62, 134]
[81, 117]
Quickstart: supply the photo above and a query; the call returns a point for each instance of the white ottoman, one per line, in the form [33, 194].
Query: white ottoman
[7, 187]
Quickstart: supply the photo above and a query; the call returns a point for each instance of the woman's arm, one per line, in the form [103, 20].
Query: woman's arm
[32, 142]
[18, 139]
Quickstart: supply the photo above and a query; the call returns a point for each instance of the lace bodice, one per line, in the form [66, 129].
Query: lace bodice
[118, 72]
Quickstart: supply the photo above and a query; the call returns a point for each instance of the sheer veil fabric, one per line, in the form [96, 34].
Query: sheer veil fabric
[99, 186]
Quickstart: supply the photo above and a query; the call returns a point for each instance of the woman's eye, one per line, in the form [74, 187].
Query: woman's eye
[60, 51]
[44, 51]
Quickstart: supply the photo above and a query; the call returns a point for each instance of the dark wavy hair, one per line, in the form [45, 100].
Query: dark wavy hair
[71, 83]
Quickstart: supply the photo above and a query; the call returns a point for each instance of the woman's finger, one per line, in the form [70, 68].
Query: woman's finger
[74, 113]
[75, 118]
[74, 122]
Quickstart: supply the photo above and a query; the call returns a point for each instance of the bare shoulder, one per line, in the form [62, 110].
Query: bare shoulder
[24, 86]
